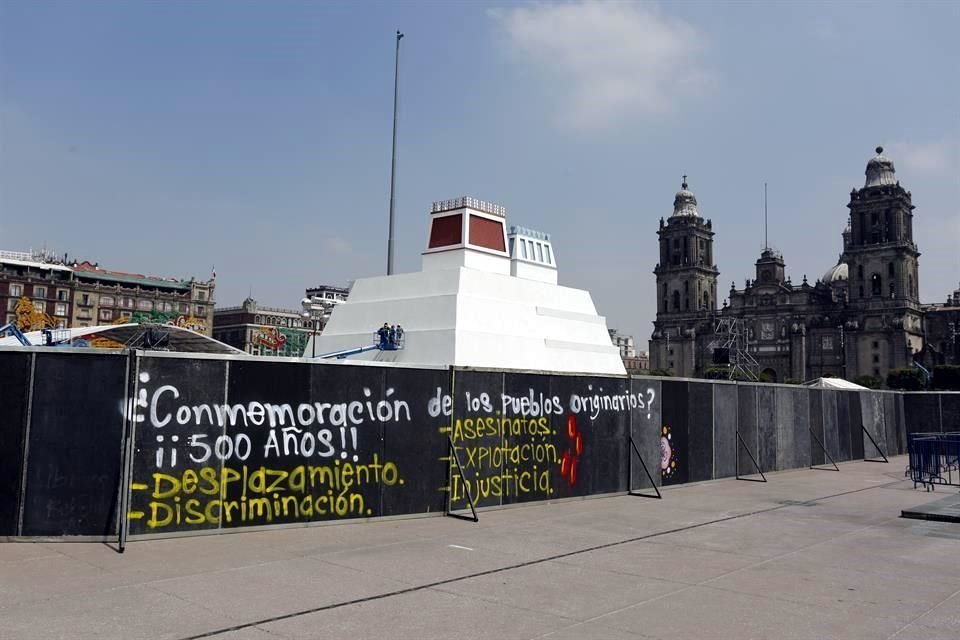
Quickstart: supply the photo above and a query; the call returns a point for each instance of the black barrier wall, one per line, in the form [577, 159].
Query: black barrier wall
[170, 443]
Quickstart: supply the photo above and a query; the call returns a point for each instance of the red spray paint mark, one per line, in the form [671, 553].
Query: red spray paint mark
[571, 457]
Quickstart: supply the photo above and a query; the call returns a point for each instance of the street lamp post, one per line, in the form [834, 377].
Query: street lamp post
[309, 313]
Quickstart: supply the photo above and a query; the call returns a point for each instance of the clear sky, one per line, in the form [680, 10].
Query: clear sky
[168, 137]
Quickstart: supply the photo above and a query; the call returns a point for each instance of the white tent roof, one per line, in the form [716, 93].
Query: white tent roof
[179, 338]
[834, 383]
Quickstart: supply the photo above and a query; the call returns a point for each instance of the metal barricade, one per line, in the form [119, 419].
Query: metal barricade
[934, 459]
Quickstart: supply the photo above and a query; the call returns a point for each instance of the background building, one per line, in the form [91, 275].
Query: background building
[862, 318]
[262, 331]
[941, 326]
[71, 294]
[114, 297]
[271, 331]
[624, 343]
[637, 363]
[35, 290]
[328, 293]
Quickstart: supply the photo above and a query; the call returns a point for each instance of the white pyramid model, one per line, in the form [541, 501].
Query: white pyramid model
[482, 299]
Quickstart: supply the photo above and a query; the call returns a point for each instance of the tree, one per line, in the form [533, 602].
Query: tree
[661, 372]
[870, 382]
[947, 377]
[717, 373]
[905, 379]
[29, 319]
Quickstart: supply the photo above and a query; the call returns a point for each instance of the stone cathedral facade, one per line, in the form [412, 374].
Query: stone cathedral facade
[862, 317]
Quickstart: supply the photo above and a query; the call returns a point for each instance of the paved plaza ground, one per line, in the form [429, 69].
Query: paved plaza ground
[810, 554]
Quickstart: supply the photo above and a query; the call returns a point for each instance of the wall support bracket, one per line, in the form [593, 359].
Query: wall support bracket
[826, 453]
[743, 444]
[630, 491]
[875, 446]
[455, 466]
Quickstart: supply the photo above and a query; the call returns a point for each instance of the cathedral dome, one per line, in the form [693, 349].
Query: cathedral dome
[836, 273]
[880, 170]
[685, 203]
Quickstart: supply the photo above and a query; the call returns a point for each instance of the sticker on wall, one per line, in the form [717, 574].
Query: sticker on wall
[571, 457]
[668, 457]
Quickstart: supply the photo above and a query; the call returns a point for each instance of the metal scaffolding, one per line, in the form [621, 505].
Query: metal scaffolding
[733, 335]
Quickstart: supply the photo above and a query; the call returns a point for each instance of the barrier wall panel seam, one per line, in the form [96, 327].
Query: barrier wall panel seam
[226, 398]
[126, 474]
[22, 505]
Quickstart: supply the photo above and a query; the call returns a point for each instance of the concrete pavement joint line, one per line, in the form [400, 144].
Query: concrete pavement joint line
[521, 565]
[914, 621]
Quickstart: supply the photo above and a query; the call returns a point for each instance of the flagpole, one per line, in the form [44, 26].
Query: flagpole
[393, 161]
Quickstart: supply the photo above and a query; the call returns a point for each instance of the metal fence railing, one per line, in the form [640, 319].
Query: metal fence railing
[934, 459]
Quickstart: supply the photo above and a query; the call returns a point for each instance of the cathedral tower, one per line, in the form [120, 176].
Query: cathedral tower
[686, 285]
[881, 257]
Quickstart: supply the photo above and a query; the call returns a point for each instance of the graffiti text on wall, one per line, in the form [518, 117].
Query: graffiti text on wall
[225, 463]
[311, 461]
[521, 446]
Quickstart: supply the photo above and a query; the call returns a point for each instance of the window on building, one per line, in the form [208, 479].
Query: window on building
[827, 343]
[125, 315]
[910, 285]
[893, 292]
[106, 315]
[706, 300]
[860, 272]
[540, 251]
[126, 302]
[184, 307]
[84, 299]
[60, 309]
[12, 304]
[686, 303]
[890, 269]
[201, 295]
[861, 291]
[876, 372]
[876, 358]
[546, 249]
[39, 292]
[63, 295]
[16, 290]
[84, 314]
[876, 285]
[876, 345]
[676, 301]
[523, 248]
[39, 306]
[145, 305]
[106, 301]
